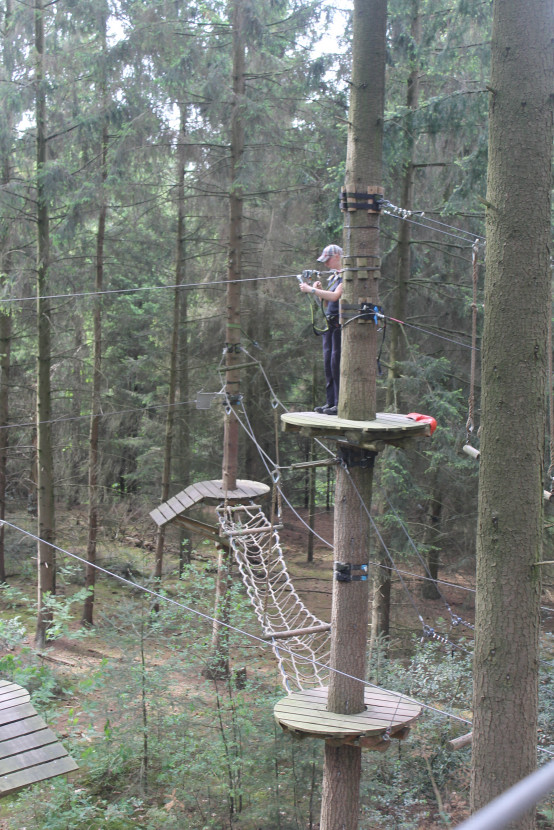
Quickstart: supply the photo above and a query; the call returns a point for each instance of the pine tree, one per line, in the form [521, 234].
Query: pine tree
[514, 362]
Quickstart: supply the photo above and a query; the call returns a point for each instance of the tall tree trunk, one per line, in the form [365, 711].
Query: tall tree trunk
[94, 459]
[232, 355]
[514, 362]
[45, 495]
[183, 454]
[183, 418]
[404, 267]
[342, 766]
[5, 350]
[5, 270]
[219, 661]
[174, 347]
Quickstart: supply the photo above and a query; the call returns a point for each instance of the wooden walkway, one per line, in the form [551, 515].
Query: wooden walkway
[386, 428]
[29, 750]
[305, 714]
[211, 492]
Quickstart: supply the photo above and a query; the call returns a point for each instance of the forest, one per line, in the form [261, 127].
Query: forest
[118, 141]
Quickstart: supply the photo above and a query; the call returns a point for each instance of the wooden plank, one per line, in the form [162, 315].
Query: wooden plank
[158, 517]
[24, 710]
[208, 531]
[22, 778]
[14, 698]
[184, 499]
[6, 686]
[297, 632]
[32, 740]
[306, 712]
[383, 426]
[32, 757]
[21, 727]
[211, 489]
[195, 493]
[252, 531]
[167, 511]
[375, 707]
[175, 504]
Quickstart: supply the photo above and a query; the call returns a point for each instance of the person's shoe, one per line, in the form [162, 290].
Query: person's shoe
[330, 410]
[320, 409]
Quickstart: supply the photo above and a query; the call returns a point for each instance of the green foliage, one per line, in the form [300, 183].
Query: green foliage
[34, 675]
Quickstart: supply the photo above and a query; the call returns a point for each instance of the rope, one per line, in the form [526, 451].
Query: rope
[471, 402]
[259, 556]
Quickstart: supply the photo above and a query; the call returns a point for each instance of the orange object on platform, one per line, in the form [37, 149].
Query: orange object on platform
[425, 419]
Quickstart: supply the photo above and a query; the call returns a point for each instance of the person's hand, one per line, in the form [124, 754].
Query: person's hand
[317, 284]
[305, 287]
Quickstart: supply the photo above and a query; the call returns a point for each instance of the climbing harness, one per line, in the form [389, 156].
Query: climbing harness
[316, 306]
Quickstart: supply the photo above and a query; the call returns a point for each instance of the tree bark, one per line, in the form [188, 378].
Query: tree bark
[45, 489]
[219, 661]
[232, 353]
[514, 361]
[404, 267]
[174, 347]
[5, 269]
[357, 400]
[94, 460]
[182, 471]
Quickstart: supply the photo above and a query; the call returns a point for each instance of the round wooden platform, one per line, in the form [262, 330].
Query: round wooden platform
[305, 714]
[386, 428]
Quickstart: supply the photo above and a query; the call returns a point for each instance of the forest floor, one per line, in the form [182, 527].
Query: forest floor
[74, 658]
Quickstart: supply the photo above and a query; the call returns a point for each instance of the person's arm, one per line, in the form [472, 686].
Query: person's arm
[322, 293]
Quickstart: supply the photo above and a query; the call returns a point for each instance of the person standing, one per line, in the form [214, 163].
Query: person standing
[330, 296]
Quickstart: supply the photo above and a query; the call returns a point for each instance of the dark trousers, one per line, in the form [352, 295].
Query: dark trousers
[331, 361]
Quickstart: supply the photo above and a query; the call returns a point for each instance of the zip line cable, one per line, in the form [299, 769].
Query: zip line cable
[61, 420]
[228, 626]
[275, 469]
[203, 285]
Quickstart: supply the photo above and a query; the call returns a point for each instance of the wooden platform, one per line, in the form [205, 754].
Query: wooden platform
[211, 492]
[387, 428]
[305, 714]
[29, 751]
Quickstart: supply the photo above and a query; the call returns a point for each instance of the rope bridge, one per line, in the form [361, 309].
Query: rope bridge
[255, 543]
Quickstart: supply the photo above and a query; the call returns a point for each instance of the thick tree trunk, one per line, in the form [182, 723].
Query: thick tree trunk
[357, 400]
[517, 304]
[5, 350]
[5, 269]
[404, 267]
[45, 485]
[219, 661]
[232, 354]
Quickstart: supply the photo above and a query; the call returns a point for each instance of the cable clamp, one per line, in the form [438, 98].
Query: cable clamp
[307, 276]
[230, 401]
[350, 456]
[343, 572]
[232, 348]
[368, 311]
